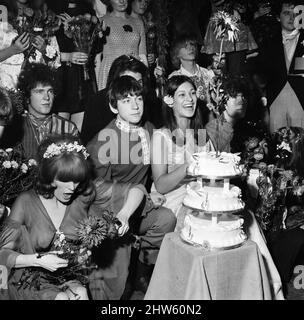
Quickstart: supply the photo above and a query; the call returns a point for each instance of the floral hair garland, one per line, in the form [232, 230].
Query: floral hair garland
[56, 149]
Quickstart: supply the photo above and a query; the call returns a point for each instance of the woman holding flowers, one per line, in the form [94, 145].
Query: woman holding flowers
[174, 144]
[46, 218]
[23, 42]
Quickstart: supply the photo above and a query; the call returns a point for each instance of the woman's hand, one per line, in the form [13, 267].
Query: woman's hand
[21, 43]
[79, 58]
[64, 18]
[124, 220]
[157, 198]
[39, 44]
[51, 262]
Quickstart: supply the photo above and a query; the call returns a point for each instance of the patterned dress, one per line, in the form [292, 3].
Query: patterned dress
[125, 36]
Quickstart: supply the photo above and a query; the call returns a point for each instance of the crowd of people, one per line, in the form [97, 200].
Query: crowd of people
[109, 139]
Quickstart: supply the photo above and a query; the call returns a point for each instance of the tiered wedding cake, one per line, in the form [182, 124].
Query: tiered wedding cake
[211, 221]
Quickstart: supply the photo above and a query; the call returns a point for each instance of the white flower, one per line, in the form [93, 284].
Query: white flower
[32, 162]
[61, 237]
[14, 164]
[285, 146]
[24, 168]
[168, 100]
[7, 164]
[8, 150]
[200, 92]
[50, 52]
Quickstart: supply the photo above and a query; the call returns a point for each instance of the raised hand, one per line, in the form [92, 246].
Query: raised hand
[21, 43]
[39, 44]
[64, 18]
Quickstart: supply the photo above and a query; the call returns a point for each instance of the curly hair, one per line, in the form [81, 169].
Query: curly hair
[278, 5]
[34, 74]
[232, 86]
[169, 118]
[178, 43]
[67, 166]
[6, 108]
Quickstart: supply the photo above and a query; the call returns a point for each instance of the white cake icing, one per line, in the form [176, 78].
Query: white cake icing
[226, 233]
[208, 164]
[213, 198]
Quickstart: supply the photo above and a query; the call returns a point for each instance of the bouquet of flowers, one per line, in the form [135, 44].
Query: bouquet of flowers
[255, 146]
[225, 28]
[16, 174]
[284, 140]
[280, 203]
[44, 23]
[84, 30]
[91, 233]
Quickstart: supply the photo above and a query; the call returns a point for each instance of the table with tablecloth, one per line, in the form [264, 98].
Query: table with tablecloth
[186, 272]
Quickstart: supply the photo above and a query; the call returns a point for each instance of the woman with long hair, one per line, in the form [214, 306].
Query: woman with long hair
[174, 144]
[63, 197]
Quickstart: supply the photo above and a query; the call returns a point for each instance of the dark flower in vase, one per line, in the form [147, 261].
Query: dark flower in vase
[127, 28]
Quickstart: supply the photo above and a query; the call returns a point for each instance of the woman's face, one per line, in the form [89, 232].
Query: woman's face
[119, 5]
[140, 6]
[188, 51]
[64, 190]
[185, 100]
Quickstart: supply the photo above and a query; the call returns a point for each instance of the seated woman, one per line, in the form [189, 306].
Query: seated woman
[174, 144]
[62, 198]
[121, 152]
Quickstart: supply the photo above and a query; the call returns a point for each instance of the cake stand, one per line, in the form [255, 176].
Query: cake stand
[214, 214]
[212, 182]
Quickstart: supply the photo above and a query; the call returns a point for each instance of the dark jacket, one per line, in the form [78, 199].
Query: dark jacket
[273, 68]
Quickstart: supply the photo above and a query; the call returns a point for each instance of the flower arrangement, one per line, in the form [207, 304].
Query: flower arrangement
[255, 150]
[16, 174]
[284, 140]
[84, 30]
[225, 27]
[281, 188]
[91, 233]
[278, 189]
[44, 24]
[56, 149]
